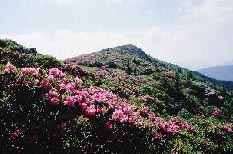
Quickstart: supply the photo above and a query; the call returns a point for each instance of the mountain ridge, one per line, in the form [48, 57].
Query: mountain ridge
[129, 52]
[224, 72]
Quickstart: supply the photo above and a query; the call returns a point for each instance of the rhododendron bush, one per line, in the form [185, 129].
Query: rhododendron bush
[54, 111]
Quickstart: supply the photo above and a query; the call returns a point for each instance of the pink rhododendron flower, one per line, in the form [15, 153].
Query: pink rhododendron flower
[27, 83]
[227, 129]
[55, 72]
[30, 71]
[145, 110]
[119, 115]
[45, 84]
[158, 135]
[53, 97]
[127, 110]
[100, 110]
[109, 124]
[61, 85]
[146, 98]
[79, 82]
[70, 87]
[17, 133]
[171, 127]
[9, 68]
[217, 112]
[84, 106]
[90, 111]
[70, 101]
[22, 55]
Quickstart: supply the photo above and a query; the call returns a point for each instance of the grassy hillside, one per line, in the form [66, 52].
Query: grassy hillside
[132, 74]
[118, 100]
[137, 62]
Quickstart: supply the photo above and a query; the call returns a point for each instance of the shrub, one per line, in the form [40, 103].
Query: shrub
[47, 61]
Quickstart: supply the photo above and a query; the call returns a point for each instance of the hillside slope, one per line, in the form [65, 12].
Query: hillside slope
[138, 63]
[126, 102]
[131, 73]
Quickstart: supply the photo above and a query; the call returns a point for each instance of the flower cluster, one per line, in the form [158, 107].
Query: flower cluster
[53, 97]
[227, 129]
[9, 68]
[55, 72]
[68, 91]
[16, 134]
[217, 112]
[173, 126]
[158, 135]
[34, 72]
[94, 101]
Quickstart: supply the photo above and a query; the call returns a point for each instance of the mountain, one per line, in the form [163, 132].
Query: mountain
[141, 63]
[117, 100]
[219, 72]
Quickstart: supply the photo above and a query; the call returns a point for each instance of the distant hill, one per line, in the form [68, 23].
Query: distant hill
[219, 72]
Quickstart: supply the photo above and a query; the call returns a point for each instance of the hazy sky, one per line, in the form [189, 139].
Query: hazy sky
[191, 33]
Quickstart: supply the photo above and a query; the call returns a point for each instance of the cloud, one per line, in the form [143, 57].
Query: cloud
[124, 1]
[211, 10]
[201, 36]
[82, 1]
[64, 44]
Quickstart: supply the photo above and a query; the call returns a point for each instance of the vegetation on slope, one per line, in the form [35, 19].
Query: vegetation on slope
[63, 108]
[170, 88]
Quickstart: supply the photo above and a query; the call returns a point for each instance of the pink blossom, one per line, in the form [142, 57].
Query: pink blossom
[171, 127]
[17, 133]
[145, 110]
[53, 97]
[217, 112]
[22, 55]
[100, 110]
[45, 84]
[79, 82]
[158, 135]
[70, 101]
[70, 87]
[9, 68]
[109, 124]
[27, 83]
[227, 129]
[90, 111]
[119, 115]
[56, 73]
[30, 71]
[127, 110]
[55, 100]
[146, 98]
[84, 106]
[61, 85]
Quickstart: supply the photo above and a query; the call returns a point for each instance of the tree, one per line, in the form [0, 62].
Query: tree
[128, 68]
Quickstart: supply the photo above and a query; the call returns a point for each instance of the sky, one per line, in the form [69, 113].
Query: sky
[191, 33]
